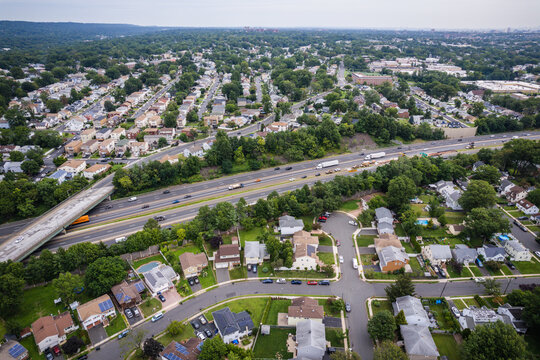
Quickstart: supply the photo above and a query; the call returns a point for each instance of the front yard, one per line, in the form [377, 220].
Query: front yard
[335, 336]
[277, 306]
[254, 306]
[365, 240]
[528, 267]
[238, 272]
[150, 307]
[116, 325]
[273, 346]
[327, 258]
[207, 277]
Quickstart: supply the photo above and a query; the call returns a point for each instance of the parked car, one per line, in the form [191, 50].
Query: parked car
[324, 282]
[348, 307]
[267, 281]
[312, 282]
[83, 357]
[156, 317]
[201, 336]
[353, 223]
[296, 282]
[123, 334]
[202, 319]
[49, 356]
[135, 312]
[510, 265]
[288, 168]
[523, 218]
[166, 191]
[456, 311]
[341, 259]
[196, 279]
[208, 333]
[161, 298]
[254, 268]
[191, 281]
[195, 324]
[537, 253]
[128, 313]
[281, 281]
[56, 350]
[479, 280]
[248, 267]
[321, 219]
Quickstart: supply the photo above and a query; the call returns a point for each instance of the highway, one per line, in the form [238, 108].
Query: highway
[105, 224]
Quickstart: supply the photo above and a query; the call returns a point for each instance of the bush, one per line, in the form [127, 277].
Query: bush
[480, 300]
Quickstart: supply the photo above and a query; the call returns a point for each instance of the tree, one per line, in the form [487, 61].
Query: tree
[103, 273]
[175, 328]
[213, 349]
[483, 223]
[30, 167]
[152, 348]
[151, 224]
[492, 287]
[162, 142]
[11, 291]
[336, 305]
[382, 326]
[65, 286]
[347, 355]
[477, 109]
[534, 197]
[486, 343]
[387, 350]
[58, 161]
[488, 173]
[16, 156]
[109, 106]
[400, 191]
[72, 345]
[401, 319]
[54, 105]
[402, 287]
[479, 193]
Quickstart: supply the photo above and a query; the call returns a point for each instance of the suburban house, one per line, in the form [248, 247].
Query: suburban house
[117, 133]
[515, 194]
[13, 350]
[414, 311]
[73, 166]
[492, 253]
[160, 278]
[88, 134]
[106, 147]
[513, 315]
[60, 176]
[473, 316]
[232, 326]
[456, 229]
[90, 147]
[96, 312]
[304, 237]
[192, 264]
[13, 166]
[128, 294]
[255, 252]
[95, 169]
[194, 150]
[450, 194]
[392, 258]
[437, 254]
[310, 340]
[184, 350]
[138, 148]
[288, 225]
[73, 147]
[527, 207]
[517, 251]
[385, 221]
[103, 134]
[464, 254]
[51, 330]
[304, 308]
[385, 240]
[505, 186]
[227, 256]
[477, 164]
[418, 342]
[121, 147]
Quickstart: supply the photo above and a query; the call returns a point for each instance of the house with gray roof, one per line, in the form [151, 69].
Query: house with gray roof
[385, 221]
[464, 254]
[505, 186]
[492, 253]
[288, 225]
[473, 316]
[310, 340]
[418, 342]
[514, 316]
[255, 252]
[232, 326]
[414, 311]
[160, 278]
[517, 251]
[392, 258]
[437, 254]
[477, 164]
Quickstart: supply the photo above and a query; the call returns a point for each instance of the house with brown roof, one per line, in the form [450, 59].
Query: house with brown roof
[184, 350]
[304, 237]
[96, 312]
[90, 147]
[96, 169]
[73, 147]
[387, 239]
[73, 166]
[305, 257]
[227, 256]
[192, 264]
[106, 147]
[304, 308]
[127, 294]
[50, 331]
[516, 193]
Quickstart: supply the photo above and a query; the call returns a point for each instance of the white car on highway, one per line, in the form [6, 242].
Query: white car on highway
[292, 179]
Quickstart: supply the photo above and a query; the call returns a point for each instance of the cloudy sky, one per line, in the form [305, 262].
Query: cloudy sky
[439, 14]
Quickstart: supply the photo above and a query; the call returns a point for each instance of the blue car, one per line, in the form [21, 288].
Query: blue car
[324, 282]
[176, 201]
[267, 281]
[296, 282]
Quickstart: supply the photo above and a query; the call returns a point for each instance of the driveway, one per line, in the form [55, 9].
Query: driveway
[134, 318]
[196, 287]
[368, 232]
[171, 297]
[222, 275]
[366, 250]
[330, 321]
[325, 248]
[97, 334]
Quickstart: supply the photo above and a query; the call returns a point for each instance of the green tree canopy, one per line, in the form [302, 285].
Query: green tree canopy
[495, 341]
[382, 326]
[103, 273]
[479, 193]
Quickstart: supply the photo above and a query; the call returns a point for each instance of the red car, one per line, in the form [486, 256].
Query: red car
[312, 282]
[56, 350]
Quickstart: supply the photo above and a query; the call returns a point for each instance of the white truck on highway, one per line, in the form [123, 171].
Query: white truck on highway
[235, 186]
[327, 164]
[375, 155]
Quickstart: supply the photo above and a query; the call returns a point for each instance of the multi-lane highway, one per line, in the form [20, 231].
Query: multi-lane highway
[105, 224]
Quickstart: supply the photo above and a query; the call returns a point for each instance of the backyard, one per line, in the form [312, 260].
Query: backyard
[30, 344]
[150, 306]
[277, 306]
[157, 258]
[446, 344]
[268, 346]
[335, 336]
[250, 235]
[254, 306]
[327, 258]
[349, 205]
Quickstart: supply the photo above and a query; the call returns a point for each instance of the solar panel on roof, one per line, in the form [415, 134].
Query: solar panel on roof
[118, 296]
[199, 347]
[171, 356]
[106, 305]
[16, 350]
[139, 286]
[181, 349]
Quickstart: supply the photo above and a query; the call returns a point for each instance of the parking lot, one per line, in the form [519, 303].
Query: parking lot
[208, 329]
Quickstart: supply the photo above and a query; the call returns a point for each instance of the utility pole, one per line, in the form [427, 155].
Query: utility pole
[445, 283]
[507, 285]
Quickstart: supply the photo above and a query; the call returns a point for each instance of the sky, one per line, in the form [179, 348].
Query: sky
[378, 14]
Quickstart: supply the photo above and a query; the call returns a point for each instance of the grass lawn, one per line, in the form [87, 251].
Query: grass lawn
[366, 259]
[335, 336]
[365, 240]
[147, 260]
[454, 274]
[36, 302]
[150, 306]
[415, 265]
[349, 205]
[184, 335]
[370, 274]
[528, 267]
[238, 272]
[534, 228]
[438, 310]
[453, 217]
[327, 258]
[408, 247]
[446, 344]
[294, 274]
[433, 233]
[186, 248]
[116, 325]
[308, 220]
[30, 344]
[183, 288]
[254, 306]
[250, 235]
[471, 302]
[207, 277]
[506, 270]
[268, 346]
[383, 305]
[325, 240]
[327, 309]
[460, 304]
[399, 230]
[277, 306]
[475, 270]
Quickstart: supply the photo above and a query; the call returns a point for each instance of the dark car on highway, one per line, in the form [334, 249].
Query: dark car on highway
[166, 191]
[288, 168]
[296, 282]
[267, 281]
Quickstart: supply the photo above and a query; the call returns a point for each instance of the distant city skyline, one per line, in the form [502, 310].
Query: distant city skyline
[352, 14]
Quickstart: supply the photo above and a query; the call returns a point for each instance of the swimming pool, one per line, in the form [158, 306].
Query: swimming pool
[147, 267]
[422, 222]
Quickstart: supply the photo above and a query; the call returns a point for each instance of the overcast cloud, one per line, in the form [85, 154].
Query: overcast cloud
[412, 14]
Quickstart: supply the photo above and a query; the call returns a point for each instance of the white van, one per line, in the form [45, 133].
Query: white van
[156, 317]
[133, 198]
[355, 263]
[120, 239]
